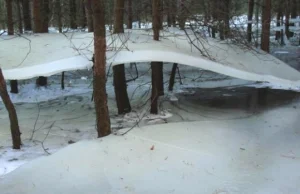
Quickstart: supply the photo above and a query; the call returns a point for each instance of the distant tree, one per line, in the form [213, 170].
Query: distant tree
[83, 20]
[119, 77]
[250, 21]
[89, 13]
[20, 20]
[73, 18]
[58, 15]
[266, 20]
[26, 15]
[14, 125]
[10, 20]
[10, 31]
[156, 67]
[100, 96]
[130, 14]
[40, 18]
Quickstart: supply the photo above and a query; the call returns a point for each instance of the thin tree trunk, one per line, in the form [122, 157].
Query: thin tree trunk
[293, 13]
[100, 96]
[182, 17]
[63, 80]
[130, 14]
[266, 19]
[89, 12]
[37, 17]
[14, 86]
[26, 15]
[278, 17]
[58, 15]
[73, 22]
[10, 21]
[14, 125]
[287, 19]
[173, 13]
[157, 67]
[172, 77]
[83, 20]
[168, 10]
[119, 77]
[20, 21]
[226, 18]
[45, 14]
[250, 17]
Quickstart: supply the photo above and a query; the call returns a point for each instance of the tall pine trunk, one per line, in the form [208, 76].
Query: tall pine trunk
[120, 86]
[45, 16]
[58, 15]
[100, 96]
[130, 14]
[83, 21]
[14, 125]
[250, 20]
[26, 15]
[89, 13]
[287, 19]
[20, 20]
[278, 24]
[156, 67]
[37, 17]
[266, 20]
[10, 21]
[73, 22]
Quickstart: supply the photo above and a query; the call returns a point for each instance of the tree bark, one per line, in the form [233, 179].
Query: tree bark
[266, 19]
[130, 14]
[10, 21]
[14, 86]
[169, 14]
[183, 14]
[100, 96]
[278, 18]
[20, 20]
[26, 15]
[287, 19]
[58, 15]
[45, 16]
[89, 12]
[73, 22]
[83, 20]
[119, 77]
[14, 125]
[37, 17]
[172, 77]
[250, 21]
[157, 67]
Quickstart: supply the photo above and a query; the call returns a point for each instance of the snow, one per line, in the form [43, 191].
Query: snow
[251, 155]
[49, 51]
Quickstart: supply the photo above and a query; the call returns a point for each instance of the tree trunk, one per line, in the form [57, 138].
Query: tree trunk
[20, 21]
[73, 23]
[173, 12]
[45, 16]
[250, 17]
[278, 17]
[130, 14]
[41, 81]
[226, 18]
[10, 21]
[37, 17]
[293, 13]
[63, 80]
[89, 12]
[172, 77]
[58, 15]
[266, 19]
[119, 77]
[14, 125]
[287, 19]
[26, 15]
[83, 21]
[14, 86]
[157, 67]
[100, 96]
[182, 16]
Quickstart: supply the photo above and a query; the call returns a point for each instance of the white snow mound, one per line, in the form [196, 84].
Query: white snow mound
[48, 54]
[241, 156]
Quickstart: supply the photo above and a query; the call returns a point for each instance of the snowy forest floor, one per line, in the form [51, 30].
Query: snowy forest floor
[51, 118]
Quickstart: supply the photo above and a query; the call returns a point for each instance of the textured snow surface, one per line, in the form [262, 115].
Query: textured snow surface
[48, 54]
[252, 155]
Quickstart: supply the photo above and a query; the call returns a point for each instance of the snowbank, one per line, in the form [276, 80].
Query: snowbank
[35, 57]
[247, 156]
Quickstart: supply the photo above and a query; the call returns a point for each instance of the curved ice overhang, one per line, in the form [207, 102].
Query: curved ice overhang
[54, 53]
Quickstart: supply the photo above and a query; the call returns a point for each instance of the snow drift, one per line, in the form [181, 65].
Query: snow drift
[249, 156]
[44, 54]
